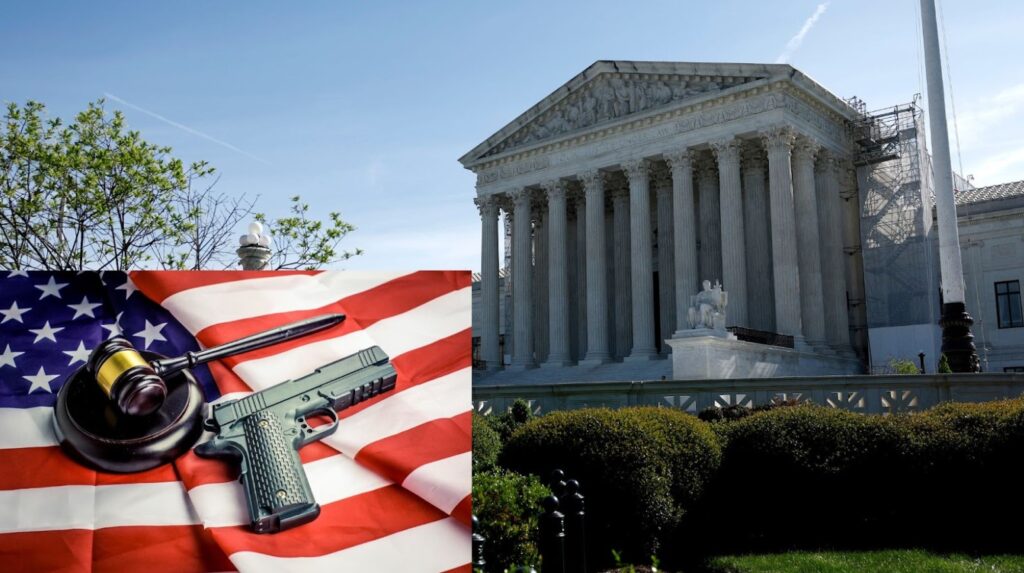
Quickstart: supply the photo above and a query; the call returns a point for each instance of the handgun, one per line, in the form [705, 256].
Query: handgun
[264, 431]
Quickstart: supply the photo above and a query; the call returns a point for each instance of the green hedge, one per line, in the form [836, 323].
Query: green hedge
[508, 506]
[486, 444]
[639, 468]
[813, 476]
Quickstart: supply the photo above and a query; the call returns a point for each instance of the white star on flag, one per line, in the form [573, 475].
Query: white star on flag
[18, 274]
[8, 356]
[115, 327]
[81, 354]
[151, 333]
[45, 332]
[128, 287]
[13, 313]
[84, 308]
[51, 288]
[41, 381]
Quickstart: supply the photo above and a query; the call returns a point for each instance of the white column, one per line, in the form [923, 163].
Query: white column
[833, 280]
[540, 280]
[558, 278]
[522, 283]
[640, 257]
[760, 290]
[666, 273]
[489, 350]
[710, 221]
[597, 271]
[734, 263]
[684, 236]
[779, 143]
[581, 275]
[812, 308]
[622, 292]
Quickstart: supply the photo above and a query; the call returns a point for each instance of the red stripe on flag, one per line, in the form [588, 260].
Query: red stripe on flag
[467, 568]
[362, 310]
[156, 549]
[227, 381]
[404, 294]
[464, 510]
[182, 548]
[158, 285]
[342, 524]
[395, 457]
[49, 467]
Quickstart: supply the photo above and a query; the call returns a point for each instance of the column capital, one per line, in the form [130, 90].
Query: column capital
[681, 159]
[661, 181]
[521, 197]
[591, 179]
[726, 149]
[555, 189]
[827, 162]
[778, 138]
[635, 167]
[805, 148]
[488, 205]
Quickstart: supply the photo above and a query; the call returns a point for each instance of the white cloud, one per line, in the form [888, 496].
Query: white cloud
[794, 43]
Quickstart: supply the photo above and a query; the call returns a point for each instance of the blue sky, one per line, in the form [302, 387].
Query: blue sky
[365, 107]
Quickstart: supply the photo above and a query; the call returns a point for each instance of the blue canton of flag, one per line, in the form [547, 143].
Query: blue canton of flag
[50, 321]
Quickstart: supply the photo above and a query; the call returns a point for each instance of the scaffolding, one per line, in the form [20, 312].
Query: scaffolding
[896, 200]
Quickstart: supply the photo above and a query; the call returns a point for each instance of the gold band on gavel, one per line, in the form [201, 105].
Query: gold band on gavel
[113, 367]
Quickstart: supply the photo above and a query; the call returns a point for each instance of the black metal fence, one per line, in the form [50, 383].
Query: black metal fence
[562, 537]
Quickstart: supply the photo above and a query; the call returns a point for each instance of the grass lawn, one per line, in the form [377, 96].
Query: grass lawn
[903, 561]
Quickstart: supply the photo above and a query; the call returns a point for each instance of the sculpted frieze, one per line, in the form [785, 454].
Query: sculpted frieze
[612, 97]
[735, 110]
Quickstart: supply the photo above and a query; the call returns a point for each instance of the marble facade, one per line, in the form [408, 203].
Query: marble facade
[636, 181]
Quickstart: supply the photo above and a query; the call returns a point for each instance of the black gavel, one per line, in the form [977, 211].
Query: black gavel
[137, 387]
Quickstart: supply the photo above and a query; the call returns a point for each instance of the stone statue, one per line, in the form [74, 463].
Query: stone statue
[707, 308]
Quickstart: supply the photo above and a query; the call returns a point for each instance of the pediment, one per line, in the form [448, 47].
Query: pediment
[609, 91]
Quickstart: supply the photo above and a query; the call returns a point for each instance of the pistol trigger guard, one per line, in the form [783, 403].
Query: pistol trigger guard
[310, 434]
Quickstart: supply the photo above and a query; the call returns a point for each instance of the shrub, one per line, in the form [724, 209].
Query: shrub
[903, 366]
[486, 444]
[508, 506]
[812, 476]
[518, 414]
[630, 463]
[943, 367]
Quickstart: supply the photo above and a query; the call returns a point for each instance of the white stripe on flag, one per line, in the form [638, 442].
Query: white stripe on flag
[200, 307]
[443, 483]
[331, 479]
[396, 335]
[429, 548]
[431, 321]
[442, 397]
[95, 507]
[26, 428]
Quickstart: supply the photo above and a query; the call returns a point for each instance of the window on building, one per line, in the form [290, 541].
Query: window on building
[1013, 369]
[1008, 310]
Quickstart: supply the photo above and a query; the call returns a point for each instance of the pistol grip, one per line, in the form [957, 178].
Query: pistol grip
[276, 487]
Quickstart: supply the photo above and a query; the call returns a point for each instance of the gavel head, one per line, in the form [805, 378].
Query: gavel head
[126, 378]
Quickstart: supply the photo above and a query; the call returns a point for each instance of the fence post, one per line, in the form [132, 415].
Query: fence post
[575, 539]
[478, 547]
[557, 483]
[552, 537]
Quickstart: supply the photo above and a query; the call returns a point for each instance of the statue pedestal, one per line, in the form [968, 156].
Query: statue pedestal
[703, 356]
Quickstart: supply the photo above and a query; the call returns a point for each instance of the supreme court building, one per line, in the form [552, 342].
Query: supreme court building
[623, 190]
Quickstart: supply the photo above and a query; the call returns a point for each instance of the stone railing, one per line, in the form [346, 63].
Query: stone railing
[868, 394]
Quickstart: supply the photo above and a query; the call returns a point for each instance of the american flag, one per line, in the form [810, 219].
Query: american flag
[393, 482]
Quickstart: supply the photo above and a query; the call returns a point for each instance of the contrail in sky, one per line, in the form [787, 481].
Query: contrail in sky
[184, 128]
[794, 43]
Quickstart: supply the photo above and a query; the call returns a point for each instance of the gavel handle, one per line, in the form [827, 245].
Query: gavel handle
[169, 366]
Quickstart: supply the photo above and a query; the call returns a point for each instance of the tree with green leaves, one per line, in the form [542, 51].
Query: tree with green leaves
[92, 194]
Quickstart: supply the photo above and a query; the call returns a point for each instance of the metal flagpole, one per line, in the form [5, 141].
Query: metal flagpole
[957, 340]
